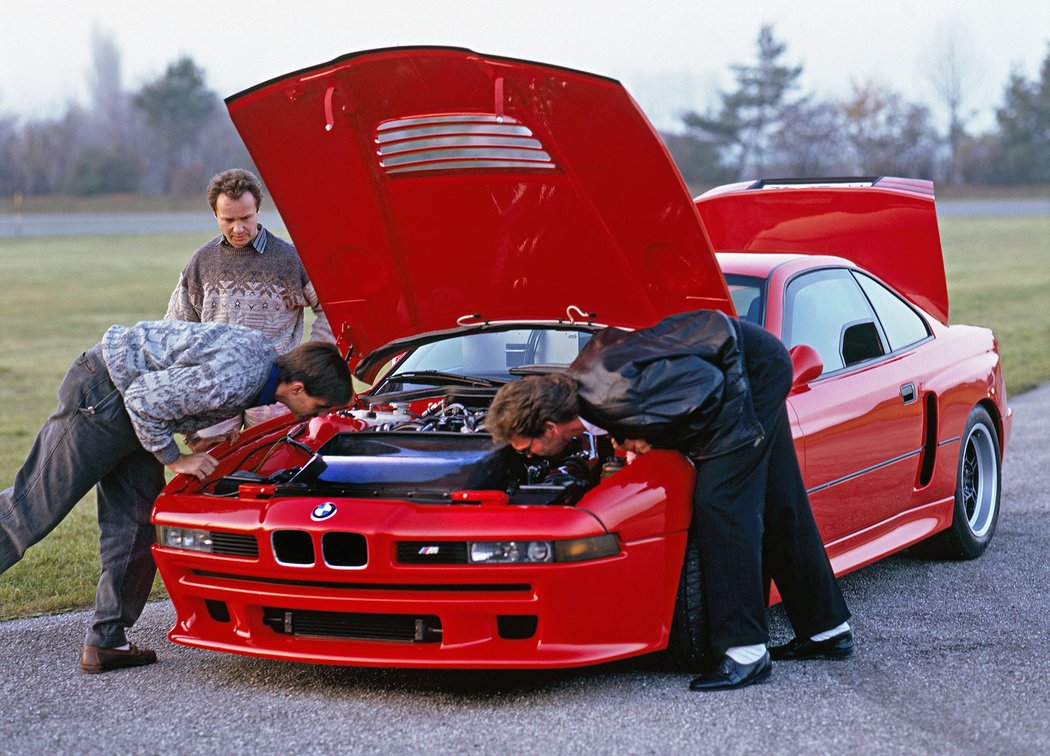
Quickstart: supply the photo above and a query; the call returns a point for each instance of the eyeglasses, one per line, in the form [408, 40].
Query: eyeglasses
[526, 450]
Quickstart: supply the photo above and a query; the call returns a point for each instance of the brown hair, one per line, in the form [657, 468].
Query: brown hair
[321, 369]
[234, 183]
[522, 407]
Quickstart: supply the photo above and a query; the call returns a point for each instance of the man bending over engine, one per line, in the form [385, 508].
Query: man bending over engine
[713, 388]
[119, 407]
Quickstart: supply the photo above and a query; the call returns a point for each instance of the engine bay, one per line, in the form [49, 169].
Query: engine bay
[394, 451]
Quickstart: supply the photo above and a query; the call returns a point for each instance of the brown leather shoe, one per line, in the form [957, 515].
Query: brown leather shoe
[96, 659]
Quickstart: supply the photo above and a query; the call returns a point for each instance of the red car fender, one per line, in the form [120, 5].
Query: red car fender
[652, 496]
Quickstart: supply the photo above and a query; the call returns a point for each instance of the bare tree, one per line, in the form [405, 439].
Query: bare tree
[810, 141]
[7, 153]
[954, 71]
[44, 152]
[887, 135]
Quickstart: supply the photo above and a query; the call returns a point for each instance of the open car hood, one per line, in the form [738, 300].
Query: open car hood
[885, 225]
[433, 188]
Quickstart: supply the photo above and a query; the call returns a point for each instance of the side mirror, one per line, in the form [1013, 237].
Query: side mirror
[806, 365]
[860, 341]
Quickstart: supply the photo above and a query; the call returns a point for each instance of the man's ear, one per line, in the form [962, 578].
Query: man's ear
[290, 388]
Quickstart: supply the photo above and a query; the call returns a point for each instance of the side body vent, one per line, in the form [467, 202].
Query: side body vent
[929, 445]
[459, 142]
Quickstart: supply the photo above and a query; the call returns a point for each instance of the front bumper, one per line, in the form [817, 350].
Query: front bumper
[385, 613]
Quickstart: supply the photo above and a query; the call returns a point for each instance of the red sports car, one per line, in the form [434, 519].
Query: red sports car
[468, 220]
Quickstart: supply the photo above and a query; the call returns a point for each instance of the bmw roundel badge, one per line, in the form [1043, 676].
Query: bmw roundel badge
[323, 511]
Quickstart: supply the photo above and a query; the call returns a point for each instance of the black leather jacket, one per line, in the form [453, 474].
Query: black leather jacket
[680, 384]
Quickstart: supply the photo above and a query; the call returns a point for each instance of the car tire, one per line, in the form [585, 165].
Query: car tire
[978, 488]
[688, 643]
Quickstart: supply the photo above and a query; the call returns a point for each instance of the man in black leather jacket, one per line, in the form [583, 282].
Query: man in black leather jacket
[713, 388]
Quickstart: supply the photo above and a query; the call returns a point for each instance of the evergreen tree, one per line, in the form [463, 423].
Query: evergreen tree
[744, 129]
[176, 107]
[1024, 130]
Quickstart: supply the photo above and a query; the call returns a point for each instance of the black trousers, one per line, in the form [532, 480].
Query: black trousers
[753, 521]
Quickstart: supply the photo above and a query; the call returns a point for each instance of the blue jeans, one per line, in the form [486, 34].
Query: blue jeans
[89, 441]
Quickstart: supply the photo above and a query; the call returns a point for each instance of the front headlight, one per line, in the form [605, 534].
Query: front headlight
[184, 538]
[510, 552]
[535, 552]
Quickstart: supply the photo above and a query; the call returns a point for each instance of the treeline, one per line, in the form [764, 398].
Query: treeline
[168, 137]
[173, 133]
[767, 126]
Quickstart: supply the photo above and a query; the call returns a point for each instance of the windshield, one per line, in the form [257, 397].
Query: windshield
[488, 356]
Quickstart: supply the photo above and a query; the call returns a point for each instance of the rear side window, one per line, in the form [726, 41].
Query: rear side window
[826, 309]
[901, 324]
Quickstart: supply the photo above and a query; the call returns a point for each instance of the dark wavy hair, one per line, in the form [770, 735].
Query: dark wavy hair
[522, 407]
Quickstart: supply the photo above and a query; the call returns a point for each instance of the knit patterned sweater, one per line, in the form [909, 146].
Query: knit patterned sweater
[262, 286]
[179, 377]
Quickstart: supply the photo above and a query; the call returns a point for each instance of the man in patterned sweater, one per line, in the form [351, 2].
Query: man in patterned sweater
[118, 410]
[246, 276]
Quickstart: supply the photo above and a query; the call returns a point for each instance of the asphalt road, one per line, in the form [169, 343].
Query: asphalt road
[951, 658]
[87, 224]
[79, 224]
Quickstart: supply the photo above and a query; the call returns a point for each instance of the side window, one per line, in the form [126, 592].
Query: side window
[902, 325]
[827, 309]
[748, 295]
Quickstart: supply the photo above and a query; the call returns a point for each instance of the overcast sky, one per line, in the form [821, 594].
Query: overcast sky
[671, 55]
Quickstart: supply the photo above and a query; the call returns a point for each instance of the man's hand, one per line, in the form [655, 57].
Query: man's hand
[633, 445]
[198, 444]
[200, 465]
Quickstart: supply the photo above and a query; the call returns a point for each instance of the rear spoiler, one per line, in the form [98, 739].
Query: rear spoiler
[886, 225]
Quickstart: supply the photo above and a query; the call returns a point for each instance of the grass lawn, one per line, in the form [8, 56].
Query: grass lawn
[62, 293]
[998, 273]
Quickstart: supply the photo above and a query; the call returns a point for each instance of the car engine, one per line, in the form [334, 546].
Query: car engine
[428, 456]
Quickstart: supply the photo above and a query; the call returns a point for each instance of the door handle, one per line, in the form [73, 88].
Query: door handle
[908, 394]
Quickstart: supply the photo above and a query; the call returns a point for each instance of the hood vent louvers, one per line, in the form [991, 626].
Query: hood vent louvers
[459, 142]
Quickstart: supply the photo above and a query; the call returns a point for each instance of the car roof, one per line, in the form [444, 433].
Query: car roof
[762, 264]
